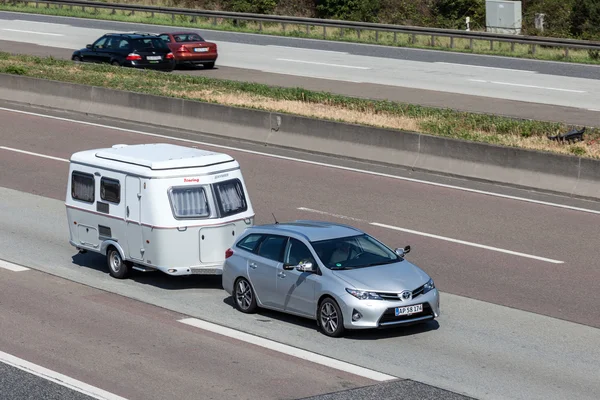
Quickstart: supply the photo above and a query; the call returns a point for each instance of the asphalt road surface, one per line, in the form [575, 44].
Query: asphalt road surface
[520, 311]
[514, 87]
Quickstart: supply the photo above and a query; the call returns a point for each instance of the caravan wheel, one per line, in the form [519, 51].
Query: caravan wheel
[116, 266]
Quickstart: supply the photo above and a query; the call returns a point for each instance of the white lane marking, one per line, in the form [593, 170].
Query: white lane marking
[593, 109]
[34, 32]
[58, 378]
[38, 22]
[447, 239]
[340, 167]
[320, 63]
[12, 267]
[528, 86]
[33, 154]
[484, 67]
[307, 49]
[289, 350]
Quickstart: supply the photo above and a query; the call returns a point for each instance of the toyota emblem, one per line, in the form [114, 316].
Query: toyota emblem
[405, 295]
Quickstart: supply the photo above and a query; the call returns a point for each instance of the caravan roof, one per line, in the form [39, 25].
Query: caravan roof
[158, 156]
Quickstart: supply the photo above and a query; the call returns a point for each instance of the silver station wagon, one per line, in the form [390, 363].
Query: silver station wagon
[335, 274]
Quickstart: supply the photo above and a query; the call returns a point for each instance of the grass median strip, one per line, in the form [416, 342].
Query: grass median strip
[378, 113]
[306, 31]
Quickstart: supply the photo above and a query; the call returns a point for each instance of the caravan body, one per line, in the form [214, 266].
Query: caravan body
[157, 207]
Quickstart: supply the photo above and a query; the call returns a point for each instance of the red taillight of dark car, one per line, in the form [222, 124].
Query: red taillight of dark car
[170, 56]
[133, 57]
[228, 253]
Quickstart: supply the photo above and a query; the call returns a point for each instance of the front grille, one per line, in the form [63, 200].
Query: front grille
[390, 315]
[394, 296]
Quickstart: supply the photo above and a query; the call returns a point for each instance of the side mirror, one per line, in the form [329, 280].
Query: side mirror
[403, 252]
[288, 267]
[89, 46]
[306, 267]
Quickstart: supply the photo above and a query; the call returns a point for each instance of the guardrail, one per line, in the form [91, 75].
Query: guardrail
[412, 31]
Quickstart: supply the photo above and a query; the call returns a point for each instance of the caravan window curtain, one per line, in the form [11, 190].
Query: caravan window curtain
[189, 202]
[82, 186]
[231, 198]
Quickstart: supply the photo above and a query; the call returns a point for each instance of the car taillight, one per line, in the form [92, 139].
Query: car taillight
[182, 49]
[228, 253]
[133, 57]
[170, 56]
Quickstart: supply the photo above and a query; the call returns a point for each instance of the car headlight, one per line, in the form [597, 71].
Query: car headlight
[428, 286]
[363, 295]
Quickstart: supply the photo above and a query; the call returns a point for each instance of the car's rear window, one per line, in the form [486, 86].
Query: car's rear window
[192, 37]
[148, 44]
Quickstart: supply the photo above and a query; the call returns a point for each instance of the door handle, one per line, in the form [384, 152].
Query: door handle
[253, 266]
[128, 211]
[281, 274]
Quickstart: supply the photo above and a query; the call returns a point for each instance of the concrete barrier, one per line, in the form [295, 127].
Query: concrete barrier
[525, 168]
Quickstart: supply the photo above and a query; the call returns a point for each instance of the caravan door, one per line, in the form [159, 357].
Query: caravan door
[133, 212]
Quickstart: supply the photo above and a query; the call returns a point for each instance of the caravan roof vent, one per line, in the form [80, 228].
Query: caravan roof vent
[119, 146]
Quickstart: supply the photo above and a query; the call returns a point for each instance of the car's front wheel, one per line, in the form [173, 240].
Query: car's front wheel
[243, 296]
[330, 318]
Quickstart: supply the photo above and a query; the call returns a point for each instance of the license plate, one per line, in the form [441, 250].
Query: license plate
[201, 49]
[408, 310]
[153, 58]
[153, 62]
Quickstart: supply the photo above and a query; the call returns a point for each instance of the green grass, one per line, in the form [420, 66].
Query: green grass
[303, 31]
[440, 122]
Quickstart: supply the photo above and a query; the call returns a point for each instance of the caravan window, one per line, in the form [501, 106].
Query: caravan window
[110, 190]
[230, 197]
[189, 202]
[82, 186]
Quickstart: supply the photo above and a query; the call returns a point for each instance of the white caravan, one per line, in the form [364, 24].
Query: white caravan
[157, 207]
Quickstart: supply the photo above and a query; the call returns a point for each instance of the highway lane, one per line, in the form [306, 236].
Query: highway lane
[540, 85]
[477, 348]
[429, 98]
[138, 351]
[529, 281]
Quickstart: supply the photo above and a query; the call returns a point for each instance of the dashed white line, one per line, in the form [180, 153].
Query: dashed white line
[447, 239]
[12, 267]
[34, 32]
[33, 154]
[58, 378]
[484, 67]
[306, 49]
[527, 86]
[320, 63]
[299, 160]
[289, 350]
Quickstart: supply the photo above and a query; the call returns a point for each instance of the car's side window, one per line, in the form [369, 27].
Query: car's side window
[100, 43]
[249, 242]
[165, 38]
[297, 252]
[272, 247]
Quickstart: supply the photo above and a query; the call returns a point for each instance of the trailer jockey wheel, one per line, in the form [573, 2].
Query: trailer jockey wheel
[117, 267]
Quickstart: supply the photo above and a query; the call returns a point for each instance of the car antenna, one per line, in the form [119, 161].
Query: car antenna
[274, 218]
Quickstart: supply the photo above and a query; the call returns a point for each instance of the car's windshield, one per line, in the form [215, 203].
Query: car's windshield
[353, 252]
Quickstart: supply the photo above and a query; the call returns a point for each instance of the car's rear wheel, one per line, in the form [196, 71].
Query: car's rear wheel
[243, 296]
[116, 63]
[76, 58]
[209, 65]
[330, 318]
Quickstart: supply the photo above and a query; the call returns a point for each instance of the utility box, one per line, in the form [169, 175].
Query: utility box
[503, 16]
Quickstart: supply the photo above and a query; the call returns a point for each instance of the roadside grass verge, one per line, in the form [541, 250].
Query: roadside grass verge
[378, 113]
[306, 31]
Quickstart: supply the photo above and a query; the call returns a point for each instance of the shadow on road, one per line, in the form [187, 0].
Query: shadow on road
[264, 315]
[97, 262]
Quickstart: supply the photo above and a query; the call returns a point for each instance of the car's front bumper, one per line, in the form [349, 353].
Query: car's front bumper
[380, 313]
